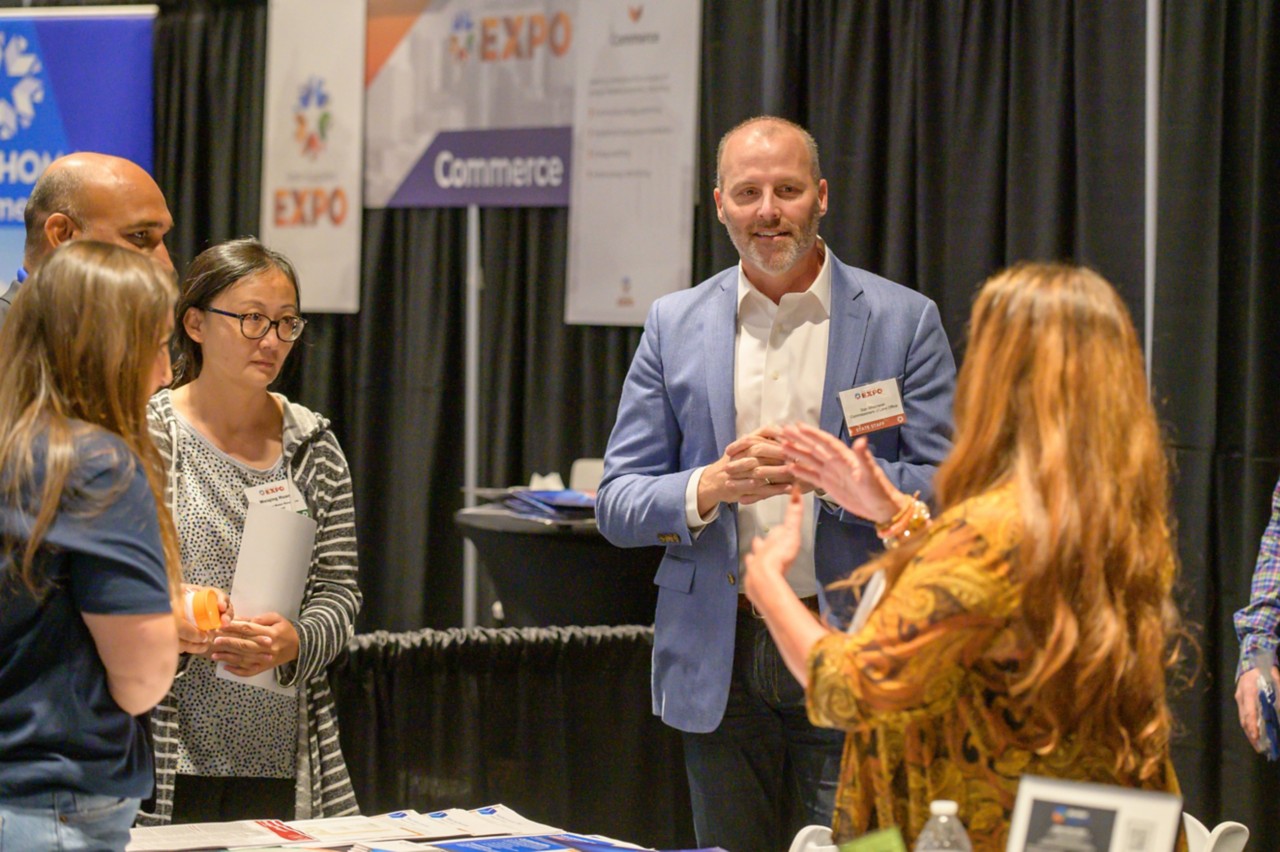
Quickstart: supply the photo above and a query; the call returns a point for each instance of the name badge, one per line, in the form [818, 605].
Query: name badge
[873, 406]
[281, 494]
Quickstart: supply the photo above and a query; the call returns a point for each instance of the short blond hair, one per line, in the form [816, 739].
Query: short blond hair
[772, 124]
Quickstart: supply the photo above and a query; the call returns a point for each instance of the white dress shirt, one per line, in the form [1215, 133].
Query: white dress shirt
[780, 367]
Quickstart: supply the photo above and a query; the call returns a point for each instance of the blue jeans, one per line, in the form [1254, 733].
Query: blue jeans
[64, 820]
[765, 772]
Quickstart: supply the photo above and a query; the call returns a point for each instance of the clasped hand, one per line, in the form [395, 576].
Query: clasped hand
[257, 645]
[247, 647]
[753, 468]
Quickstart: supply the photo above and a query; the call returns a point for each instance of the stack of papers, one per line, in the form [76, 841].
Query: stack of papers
[559, 506]
[359, 832]
[265, 833]
[559, 842]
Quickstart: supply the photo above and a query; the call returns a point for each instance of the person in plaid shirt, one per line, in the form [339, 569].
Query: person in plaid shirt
[1257, 623]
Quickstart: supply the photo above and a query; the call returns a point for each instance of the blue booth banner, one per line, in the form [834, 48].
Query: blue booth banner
[74, 79]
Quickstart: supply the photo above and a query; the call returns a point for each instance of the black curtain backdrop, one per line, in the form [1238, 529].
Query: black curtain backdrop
[553, 722]
[1216, 361]
[957, 137]
[960, 137]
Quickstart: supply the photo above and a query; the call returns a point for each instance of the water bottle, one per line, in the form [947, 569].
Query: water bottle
[943, 832]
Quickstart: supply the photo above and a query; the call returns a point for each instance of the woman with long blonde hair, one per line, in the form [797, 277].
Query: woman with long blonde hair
[88, 563]
[1028, 628]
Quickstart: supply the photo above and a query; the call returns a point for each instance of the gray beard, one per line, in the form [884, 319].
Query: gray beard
[782, 261]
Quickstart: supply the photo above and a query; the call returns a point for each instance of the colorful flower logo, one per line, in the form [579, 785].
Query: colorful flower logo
[462, 36]
[20, 71]
[311, 117]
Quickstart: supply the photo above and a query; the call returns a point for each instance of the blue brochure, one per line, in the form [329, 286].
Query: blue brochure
[1268, 722]
[553, 505]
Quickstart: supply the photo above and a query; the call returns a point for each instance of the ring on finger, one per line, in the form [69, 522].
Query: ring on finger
[766, 481]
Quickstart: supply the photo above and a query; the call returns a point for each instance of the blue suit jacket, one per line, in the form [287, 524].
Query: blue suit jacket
[677, 414]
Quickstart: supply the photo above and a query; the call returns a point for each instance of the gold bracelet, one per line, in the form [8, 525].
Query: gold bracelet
[883, 529]
[912, 524]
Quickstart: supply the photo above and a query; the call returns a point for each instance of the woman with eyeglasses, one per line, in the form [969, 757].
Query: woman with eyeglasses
[226, 750]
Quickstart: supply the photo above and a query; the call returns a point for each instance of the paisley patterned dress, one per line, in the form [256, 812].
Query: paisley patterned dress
[923, 690]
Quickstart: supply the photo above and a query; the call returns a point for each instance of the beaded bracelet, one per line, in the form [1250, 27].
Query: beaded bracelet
[909, 520]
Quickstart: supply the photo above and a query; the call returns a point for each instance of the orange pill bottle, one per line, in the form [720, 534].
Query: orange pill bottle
[201, 607]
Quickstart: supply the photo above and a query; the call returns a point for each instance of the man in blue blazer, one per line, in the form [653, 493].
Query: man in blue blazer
[693, 464]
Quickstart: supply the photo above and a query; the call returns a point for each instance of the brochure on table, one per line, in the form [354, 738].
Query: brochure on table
[495, 821]
[557, 842]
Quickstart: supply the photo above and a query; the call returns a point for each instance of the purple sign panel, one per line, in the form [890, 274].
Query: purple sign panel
[524, 167]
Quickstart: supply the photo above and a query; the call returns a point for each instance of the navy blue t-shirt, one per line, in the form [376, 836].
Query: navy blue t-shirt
[60, 729]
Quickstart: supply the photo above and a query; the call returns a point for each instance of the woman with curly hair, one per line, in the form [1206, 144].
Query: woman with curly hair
[1027, 628]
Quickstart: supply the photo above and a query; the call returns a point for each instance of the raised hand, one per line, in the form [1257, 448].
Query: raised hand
[850, 476]
[774, 553]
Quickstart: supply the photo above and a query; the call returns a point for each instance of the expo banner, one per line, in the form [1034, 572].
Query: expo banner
[634, 139]
[313, 146]
[546, 103]
[469, 102]
[50, 105]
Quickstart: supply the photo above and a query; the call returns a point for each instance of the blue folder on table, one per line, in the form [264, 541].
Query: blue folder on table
[563, 505]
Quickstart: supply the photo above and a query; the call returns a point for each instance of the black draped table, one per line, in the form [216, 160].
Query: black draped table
[555, 722]
[561, 573]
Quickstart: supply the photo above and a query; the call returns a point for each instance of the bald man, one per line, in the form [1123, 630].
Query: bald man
[94, 197]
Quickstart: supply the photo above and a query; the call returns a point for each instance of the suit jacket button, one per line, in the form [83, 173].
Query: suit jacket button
[732, 579]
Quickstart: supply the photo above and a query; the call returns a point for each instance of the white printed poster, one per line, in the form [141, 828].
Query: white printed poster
[313, 137]
[634, 145]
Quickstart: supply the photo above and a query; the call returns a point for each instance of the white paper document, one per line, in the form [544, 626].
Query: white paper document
[357, 832]
[871, 594]
[211, 835]
[500, 819]
[437, 825]
[271, 573]
[333, 831]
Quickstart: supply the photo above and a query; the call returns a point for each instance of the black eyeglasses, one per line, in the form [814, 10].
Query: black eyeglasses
[255, 326]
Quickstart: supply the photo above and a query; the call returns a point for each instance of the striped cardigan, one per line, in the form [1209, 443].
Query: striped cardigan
[325, 624]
